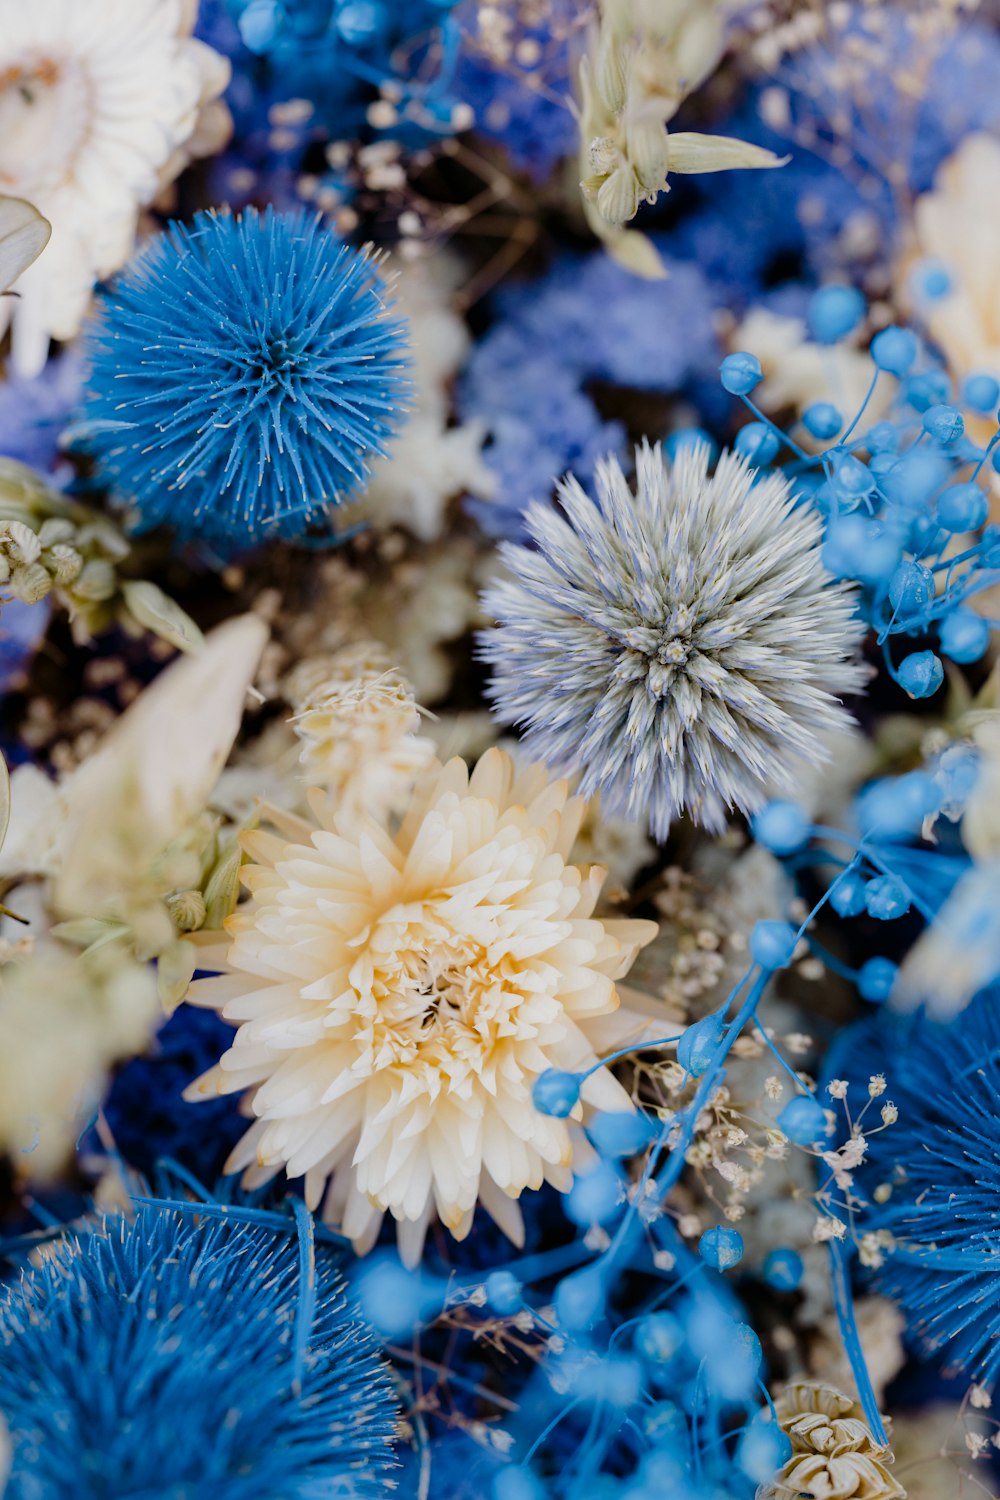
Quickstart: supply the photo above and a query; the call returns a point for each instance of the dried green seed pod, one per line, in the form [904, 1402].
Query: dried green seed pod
[31, 583]
[187, 910]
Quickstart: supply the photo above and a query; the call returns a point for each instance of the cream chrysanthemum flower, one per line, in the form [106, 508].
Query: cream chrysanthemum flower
[97, 100]
[398, 992]
[357, 721]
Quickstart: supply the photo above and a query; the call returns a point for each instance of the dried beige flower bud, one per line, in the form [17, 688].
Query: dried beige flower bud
[834, 1452]
[30, 584]
[187, 910]
[64, 563]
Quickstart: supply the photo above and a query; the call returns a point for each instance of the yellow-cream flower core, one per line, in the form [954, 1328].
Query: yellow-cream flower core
[399, 989]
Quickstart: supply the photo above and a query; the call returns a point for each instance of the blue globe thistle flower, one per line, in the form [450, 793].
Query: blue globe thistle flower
[242, 373]
[681, 648]
[938, 1168]
[189, 1360]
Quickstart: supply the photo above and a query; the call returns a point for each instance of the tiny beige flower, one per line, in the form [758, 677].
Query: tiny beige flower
[834, 1453]
[357, 722]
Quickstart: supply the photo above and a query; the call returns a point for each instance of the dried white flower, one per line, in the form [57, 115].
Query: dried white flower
[97, 100]
[400, 992]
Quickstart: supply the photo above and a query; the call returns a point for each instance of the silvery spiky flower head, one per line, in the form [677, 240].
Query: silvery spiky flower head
[681, 648]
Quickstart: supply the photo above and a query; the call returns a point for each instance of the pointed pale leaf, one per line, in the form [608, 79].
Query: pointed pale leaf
[692, 152]
[24, 233]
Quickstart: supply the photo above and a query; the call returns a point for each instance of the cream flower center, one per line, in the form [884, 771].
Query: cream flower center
[45, 113]
[427, 994]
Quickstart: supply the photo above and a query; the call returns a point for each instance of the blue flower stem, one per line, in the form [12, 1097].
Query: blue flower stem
[843, 1300]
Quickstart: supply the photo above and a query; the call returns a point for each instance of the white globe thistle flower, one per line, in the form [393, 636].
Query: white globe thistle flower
[681, 649]
[357, 722]
[97, 101]
[399, 990]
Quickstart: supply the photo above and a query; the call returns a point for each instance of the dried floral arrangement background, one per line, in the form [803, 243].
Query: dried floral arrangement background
[500, 798]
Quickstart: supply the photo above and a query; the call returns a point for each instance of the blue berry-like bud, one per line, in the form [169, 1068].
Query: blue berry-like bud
[882, 438]
[594, 1196]
[851, 478]
[762, 1450]
[944, 423]
[516, 1483]
[920, 674]
[911, 588]
[803, 1120]
[927, 389]
[862, 548]
[698, 1045]
[962, 507]
[616, 1133]
[556, 1093]
[783, 1269]
[688, 437]
[981, 392]
[895, 349]
[964, 636]
[740, 373]
[847, 894]
[822, 420]
[504, 1292]
[782, 827]
[658, 1338]
[580, 1299]
[360, 21]
[876, 978]
[932, 280]
[721, 1248]
[915, 477]
[833, 312]
[896, 806]
[886, 898]
[772, 944]
[926, 536]
[259, 24]
[757, 443]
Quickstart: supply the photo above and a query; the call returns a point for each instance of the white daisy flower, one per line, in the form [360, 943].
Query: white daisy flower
[97, 101]
[398, 992]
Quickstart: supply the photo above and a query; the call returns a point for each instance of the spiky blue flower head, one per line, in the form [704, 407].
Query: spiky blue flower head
[932, 1179]
[242, 372]
[189, 1360]
[681, 648]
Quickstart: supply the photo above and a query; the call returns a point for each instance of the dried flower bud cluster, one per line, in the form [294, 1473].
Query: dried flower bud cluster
[834, 1453]
[643, 62]
[52, 545]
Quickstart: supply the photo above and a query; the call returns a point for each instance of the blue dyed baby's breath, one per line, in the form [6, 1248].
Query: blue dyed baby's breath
[242, 373]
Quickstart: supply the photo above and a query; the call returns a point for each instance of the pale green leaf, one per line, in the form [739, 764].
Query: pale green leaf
[24, 233]
[223, 888]
[637, 253]
[151, 608]
[174, 972]
[692, 152]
